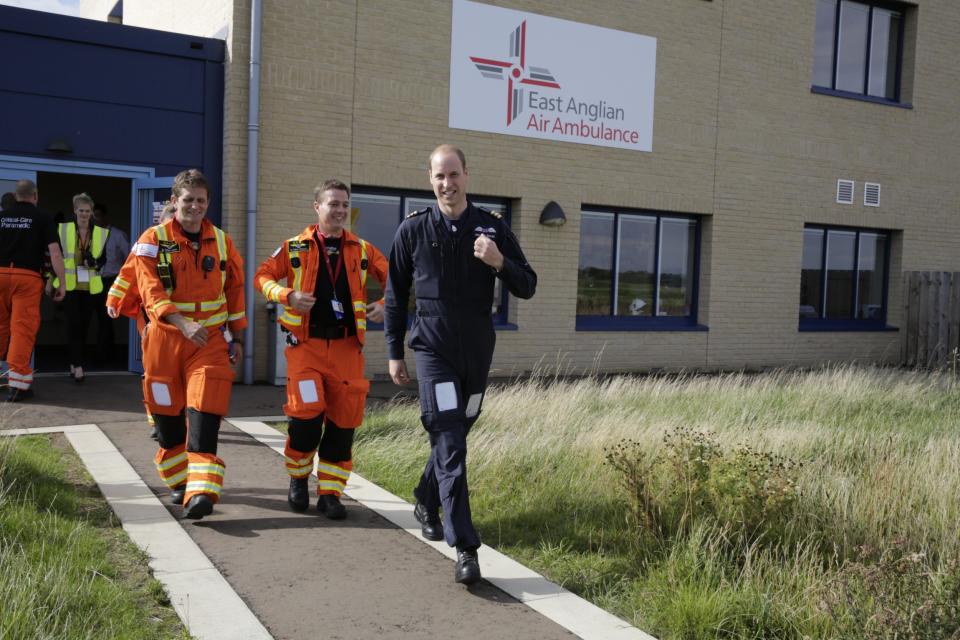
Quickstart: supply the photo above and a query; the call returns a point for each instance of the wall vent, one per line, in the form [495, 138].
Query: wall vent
[871, 194]
[845, 191]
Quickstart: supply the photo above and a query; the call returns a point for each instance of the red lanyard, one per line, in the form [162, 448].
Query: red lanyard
[326, 260]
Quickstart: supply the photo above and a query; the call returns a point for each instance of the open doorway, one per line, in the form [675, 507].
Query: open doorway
[107, 340]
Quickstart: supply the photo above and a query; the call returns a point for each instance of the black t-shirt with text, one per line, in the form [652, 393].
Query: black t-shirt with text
[25, 235]
[322, 315]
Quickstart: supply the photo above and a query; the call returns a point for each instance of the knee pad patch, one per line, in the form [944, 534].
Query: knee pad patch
[161, 395]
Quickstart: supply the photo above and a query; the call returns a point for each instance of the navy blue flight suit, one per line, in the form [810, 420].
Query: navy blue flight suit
[452, 337]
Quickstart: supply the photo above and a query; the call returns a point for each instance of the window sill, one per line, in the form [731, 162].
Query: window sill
[498, 326]
[840, 326]
[613, 323]
[859, 96]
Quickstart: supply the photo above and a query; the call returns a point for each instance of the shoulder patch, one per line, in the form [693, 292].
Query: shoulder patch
[149, 250]
[489, 212]
[417, 212]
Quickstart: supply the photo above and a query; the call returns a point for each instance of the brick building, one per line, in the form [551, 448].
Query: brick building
[804, 154]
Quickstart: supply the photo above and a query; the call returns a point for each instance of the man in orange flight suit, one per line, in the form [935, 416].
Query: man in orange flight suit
[123, 299]
[190, 278]
[325, 314]
[26, 233]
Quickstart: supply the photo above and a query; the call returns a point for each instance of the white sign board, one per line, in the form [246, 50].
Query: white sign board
[524, 74]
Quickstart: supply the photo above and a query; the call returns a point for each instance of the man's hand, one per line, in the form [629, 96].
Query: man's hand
[375, 312]
[113, 313]
[487, 251]
[398, 372]
[300, 301]
[192, 331]
[236, 352]
[60, 293]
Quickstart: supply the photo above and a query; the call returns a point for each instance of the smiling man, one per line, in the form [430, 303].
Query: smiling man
[190, 278]
[325, 314]
[454, 252]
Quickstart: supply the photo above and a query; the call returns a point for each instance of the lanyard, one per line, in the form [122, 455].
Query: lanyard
[326, 260]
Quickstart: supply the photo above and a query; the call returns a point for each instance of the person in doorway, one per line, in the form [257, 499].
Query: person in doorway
[190, 278]
[115, 252]
[26, 233]
[8, 201]
[325, 316]
[454, 252]
[123, 299]
[83, 257]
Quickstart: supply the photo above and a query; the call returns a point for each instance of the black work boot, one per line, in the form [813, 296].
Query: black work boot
[468, 568]
[200, 505]
[430, 526]
[176, 494]
[331, 506]
[298, 497]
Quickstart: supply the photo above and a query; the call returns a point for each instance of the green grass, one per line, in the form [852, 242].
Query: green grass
[67, 569]
[877, 453]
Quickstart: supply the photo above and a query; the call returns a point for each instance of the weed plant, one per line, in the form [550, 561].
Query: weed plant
[67, 571]
[789, 504]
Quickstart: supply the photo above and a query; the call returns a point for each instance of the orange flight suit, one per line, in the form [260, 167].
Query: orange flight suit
[324, 377]
[20, 293]
[206, 286]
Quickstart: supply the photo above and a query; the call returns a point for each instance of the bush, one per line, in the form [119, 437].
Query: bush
[749, 495]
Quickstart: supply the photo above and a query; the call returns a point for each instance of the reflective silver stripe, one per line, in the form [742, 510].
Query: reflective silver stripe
[233, 317]
[331, 485]
[329, 469]
[288, 317]
[204, 487]
[170, 463]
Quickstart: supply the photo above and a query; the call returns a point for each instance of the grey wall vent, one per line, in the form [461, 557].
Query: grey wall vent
[871, 194]
[844, 191]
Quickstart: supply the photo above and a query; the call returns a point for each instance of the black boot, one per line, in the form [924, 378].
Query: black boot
[468, 568]
[430, 525]
[298, 497]
[331, 506]
[200, 505]
[176, 495]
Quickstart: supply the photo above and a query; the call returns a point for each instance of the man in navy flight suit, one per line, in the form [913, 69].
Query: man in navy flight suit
[450, 254]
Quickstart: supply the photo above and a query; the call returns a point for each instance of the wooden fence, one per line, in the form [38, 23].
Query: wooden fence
[930, 329]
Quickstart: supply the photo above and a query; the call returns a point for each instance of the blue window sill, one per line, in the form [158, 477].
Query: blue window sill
[841, 325]
[859, 96]
[615, 323]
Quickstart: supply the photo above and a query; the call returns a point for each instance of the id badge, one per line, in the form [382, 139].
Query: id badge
[83, 274]
[337, 309]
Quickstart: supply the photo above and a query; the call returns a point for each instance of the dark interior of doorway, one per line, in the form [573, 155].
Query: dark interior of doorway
[56, 191]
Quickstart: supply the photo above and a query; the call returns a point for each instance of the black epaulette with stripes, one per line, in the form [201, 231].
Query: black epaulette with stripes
[413, 214]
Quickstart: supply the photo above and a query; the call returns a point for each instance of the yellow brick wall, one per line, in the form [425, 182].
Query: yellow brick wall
[359, 91]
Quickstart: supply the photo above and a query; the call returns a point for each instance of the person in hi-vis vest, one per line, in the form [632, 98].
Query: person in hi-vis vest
[82, 243]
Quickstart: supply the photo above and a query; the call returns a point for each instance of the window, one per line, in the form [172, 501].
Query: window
[376, 214]
[638, 270]
[843, 280]
[858, 48]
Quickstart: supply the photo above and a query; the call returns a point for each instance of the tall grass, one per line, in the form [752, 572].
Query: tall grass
[67, 571]
[877, 453]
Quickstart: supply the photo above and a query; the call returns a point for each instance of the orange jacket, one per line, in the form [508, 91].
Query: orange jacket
[123, 294]
[305, 249]
[212, 296]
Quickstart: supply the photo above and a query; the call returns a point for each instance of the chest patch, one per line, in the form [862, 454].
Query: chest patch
[490, 232]
[294, 246]
[169, 246]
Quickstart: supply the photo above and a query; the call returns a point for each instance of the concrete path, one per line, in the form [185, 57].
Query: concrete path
[300, 574]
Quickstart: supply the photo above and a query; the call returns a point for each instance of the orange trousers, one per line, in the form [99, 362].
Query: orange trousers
[20, 292]
[326, 376]
[179, 374]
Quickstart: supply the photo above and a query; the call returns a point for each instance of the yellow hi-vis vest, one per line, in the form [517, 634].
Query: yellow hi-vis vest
[68, 240]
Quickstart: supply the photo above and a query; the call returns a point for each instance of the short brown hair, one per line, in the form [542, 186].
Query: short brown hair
[25, 189]
[189, 179]
[327, 185]
[447, 148]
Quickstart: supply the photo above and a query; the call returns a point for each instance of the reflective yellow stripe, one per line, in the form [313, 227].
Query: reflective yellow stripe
[361, 324]
[120, 282]
[289, 318]
[185, 306]
[363, 260]
[215, 319]
[211, 305]
[299, 463]
[331, 485]
[159, 304]
[199, 467]
[233, 317]
[332, 470]
[359, 306]
[176, 480]
[272, 290]
[172, 462]
[222, 250]
[204, 487]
